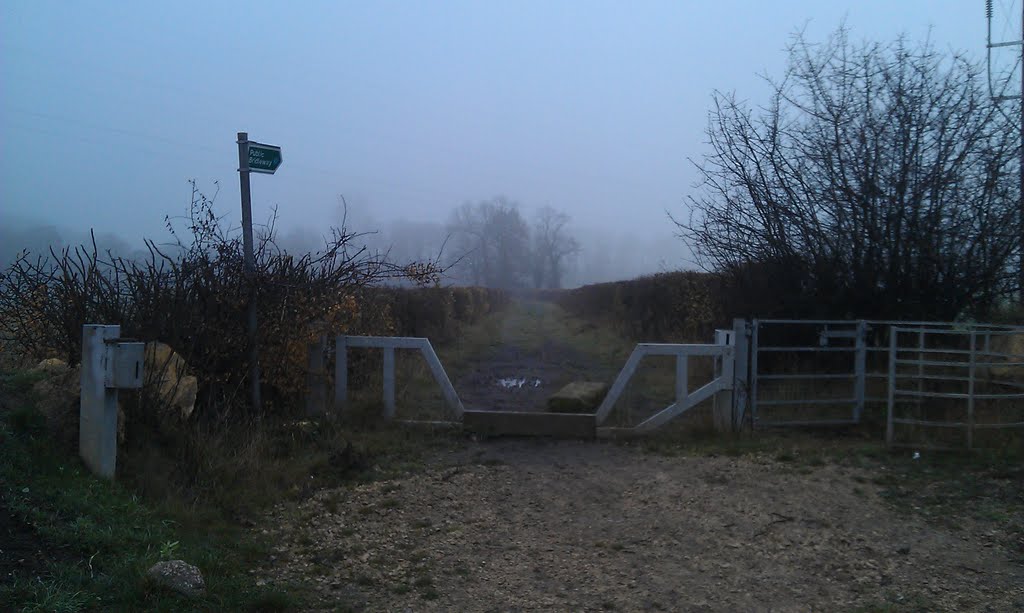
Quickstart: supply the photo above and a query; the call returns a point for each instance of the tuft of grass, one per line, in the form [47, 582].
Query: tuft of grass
[27, 420]
[272, 601]
[20, 381]
[816, 461]
[418, 556]
[365, 580]
[50, 596]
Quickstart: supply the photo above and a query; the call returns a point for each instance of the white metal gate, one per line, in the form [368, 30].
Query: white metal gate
[807, 372]
[949, 384]
[834, 372]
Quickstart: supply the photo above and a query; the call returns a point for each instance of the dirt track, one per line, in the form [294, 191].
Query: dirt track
[533, 348]
[542, 372]
[558, 526]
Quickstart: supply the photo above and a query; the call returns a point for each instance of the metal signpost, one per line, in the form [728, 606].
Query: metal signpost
[265, 159]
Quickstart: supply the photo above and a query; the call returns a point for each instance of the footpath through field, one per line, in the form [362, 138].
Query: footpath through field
[531, 525]
[535, 350]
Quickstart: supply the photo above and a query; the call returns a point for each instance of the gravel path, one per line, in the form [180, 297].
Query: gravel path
[572, 526]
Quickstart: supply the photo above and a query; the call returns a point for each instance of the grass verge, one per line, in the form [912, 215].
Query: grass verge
[78, 543]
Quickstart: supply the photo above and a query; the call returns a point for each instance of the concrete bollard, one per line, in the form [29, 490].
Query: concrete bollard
[722, 406]
[316, 379]
[97, 426]
[108, 364]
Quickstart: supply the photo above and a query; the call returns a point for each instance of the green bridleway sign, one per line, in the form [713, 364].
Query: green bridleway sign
[264, 158]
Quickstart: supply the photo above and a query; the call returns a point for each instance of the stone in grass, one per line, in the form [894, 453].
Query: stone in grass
[578, 397]
[179, 576]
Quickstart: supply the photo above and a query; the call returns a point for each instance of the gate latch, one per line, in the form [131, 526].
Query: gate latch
[826, 335]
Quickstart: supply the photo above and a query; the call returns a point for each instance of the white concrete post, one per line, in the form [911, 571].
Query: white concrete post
[340, 373]
[316, 386]
[682, 381]
[970, 388]
[722, 409]
[389, 382]
[97, 429]
[860, 358]
[894, 333]
[740, 377]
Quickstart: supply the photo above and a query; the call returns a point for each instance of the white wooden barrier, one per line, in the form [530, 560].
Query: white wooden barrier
[685, 400]
[388, 344]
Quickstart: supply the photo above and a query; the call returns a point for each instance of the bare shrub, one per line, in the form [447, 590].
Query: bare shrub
[878, 181]
[192, 295]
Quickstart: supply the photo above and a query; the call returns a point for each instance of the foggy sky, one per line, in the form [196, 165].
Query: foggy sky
[407, 108]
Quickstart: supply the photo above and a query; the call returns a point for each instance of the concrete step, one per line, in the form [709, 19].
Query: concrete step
[522, 423]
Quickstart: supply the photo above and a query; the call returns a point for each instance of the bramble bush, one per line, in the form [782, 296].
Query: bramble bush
[439, 313]
[193, 293]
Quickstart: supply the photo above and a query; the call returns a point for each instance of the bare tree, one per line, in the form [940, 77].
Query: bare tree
[878, 181]
[492, 241]
[552, 248]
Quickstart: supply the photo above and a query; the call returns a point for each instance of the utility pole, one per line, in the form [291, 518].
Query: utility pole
[250, 270]
[999, 97]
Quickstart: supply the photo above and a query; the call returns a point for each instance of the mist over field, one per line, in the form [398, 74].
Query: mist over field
[407, 111]
[604, 254]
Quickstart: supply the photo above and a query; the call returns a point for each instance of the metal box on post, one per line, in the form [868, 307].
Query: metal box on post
[123, 364]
